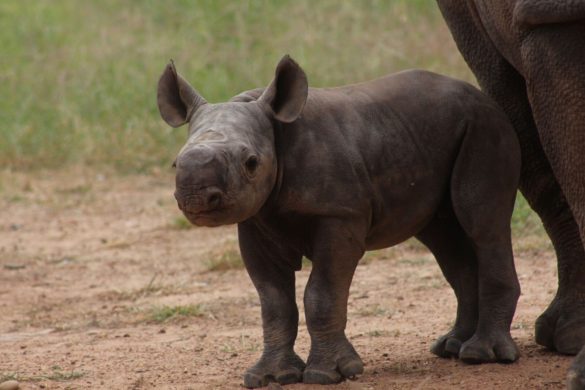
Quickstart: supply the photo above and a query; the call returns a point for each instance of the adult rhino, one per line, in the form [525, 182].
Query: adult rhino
[529, 55]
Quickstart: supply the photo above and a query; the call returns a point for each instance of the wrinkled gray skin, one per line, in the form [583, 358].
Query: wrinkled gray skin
[529, 55]
[331, 173]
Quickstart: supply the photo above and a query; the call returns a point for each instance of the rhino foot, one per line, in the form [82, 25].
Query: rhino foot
[561, 327]
[448, 345]
[576, 375]
[286, 369]
[333, 364]
[497, 347]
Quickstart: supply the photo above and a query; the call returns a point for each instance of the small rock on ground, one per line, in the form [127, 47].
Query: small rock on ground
[10, 385]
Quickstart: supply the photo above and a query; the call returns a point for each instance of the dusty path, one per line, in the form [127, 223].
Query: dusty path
[102, 286]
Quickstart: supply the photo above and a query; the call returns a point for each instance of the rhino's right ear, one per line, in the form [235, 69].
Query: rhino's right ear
[176, 99]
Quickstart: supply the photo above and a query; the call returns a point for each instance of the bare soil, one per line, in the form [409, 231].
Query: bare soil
[102, 286]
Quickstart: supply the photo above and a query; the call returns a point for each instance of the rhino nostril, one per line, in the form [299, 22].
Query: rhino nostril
[213, 201]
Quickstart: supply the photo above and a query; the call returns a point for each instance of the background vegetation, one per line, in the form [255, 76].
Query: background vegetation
[78, 78]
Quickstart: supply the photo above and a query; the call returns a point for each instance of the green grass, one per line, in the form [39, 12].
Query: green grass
[181, 223]
[78, 79]
[229, 258]
[57, 375]
[167, 313]
[525, 222]
[528, 234]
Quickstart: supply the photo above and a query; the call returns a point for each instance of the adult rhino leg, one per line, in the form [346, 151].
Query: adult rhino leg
[538, 183]
[270, 267]
[576, 375]
[335, 254]
[454, 253]
[553, 58]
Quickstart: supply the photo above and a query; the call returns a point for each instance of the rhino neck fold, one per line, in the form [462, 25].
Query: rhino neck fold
[278, 150]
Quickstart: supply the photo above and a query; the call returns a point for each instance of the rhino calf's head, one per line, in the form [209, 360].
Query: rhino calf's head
[227, 168]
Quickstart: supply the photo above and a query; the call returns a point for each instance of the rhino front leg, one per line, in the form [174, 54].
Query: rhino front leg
[271, 268]
[335, 256]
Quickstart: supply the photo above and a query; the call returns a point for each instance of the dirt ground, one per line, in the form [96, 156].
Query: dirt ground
[103, 286]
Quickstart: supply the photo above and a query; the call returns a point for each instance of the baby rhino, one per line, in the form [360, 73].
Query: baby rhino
[329, 173]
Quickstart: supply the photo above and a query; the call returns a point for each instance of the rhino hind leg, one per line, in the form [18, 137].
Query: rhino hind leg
[447, 241]
[483, 189]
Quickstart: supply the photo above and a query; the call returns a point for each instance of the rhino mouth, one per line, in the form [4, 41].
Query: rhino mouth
[205, 218]
[203, 214]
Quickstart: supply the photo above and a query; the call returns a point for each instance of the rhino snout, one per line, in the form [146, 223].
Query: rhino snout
[201, 201]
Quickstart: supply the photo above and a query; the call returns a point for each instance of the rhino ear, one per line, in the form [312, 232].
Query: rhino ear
[287, 94]
[176, 99]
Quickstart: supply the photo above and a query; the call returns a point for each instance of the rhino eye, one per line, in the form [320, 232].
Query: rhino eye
[251, 164]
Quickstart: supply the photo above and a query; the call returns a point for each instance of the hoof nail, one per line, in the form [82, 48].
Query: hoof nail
[321, 377]
[289, 377]
[452, 347]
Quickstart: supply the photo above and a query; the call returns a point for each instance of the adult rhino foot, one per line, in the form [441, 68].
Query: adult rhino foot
[561, 327]
[285, 369]
[498, 347]
[333, 364]
[576, 375]
[448, 345]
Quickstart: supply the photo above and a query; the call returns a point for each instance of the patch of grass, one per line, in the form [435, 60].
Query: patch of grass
[149, 289]
[77, 190]
[181, 223]
[57, 375]
[416, 260]
[521, 325]
[377, 333]
[380, 254]
[9, 376]
[16, 198]
[528, 234]
[374, 311]
[64, 376]
[524, 220]
[168, 313]
[243, 344]
[152, 288]
[226, 259]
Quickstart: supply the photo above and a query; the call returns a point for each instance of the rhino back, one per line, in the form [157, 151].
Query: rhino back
[384, 149]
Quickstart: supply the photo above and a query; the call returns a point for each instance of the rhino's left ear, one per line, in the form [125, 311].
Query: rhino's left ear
[177, 100]
[287, 94]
